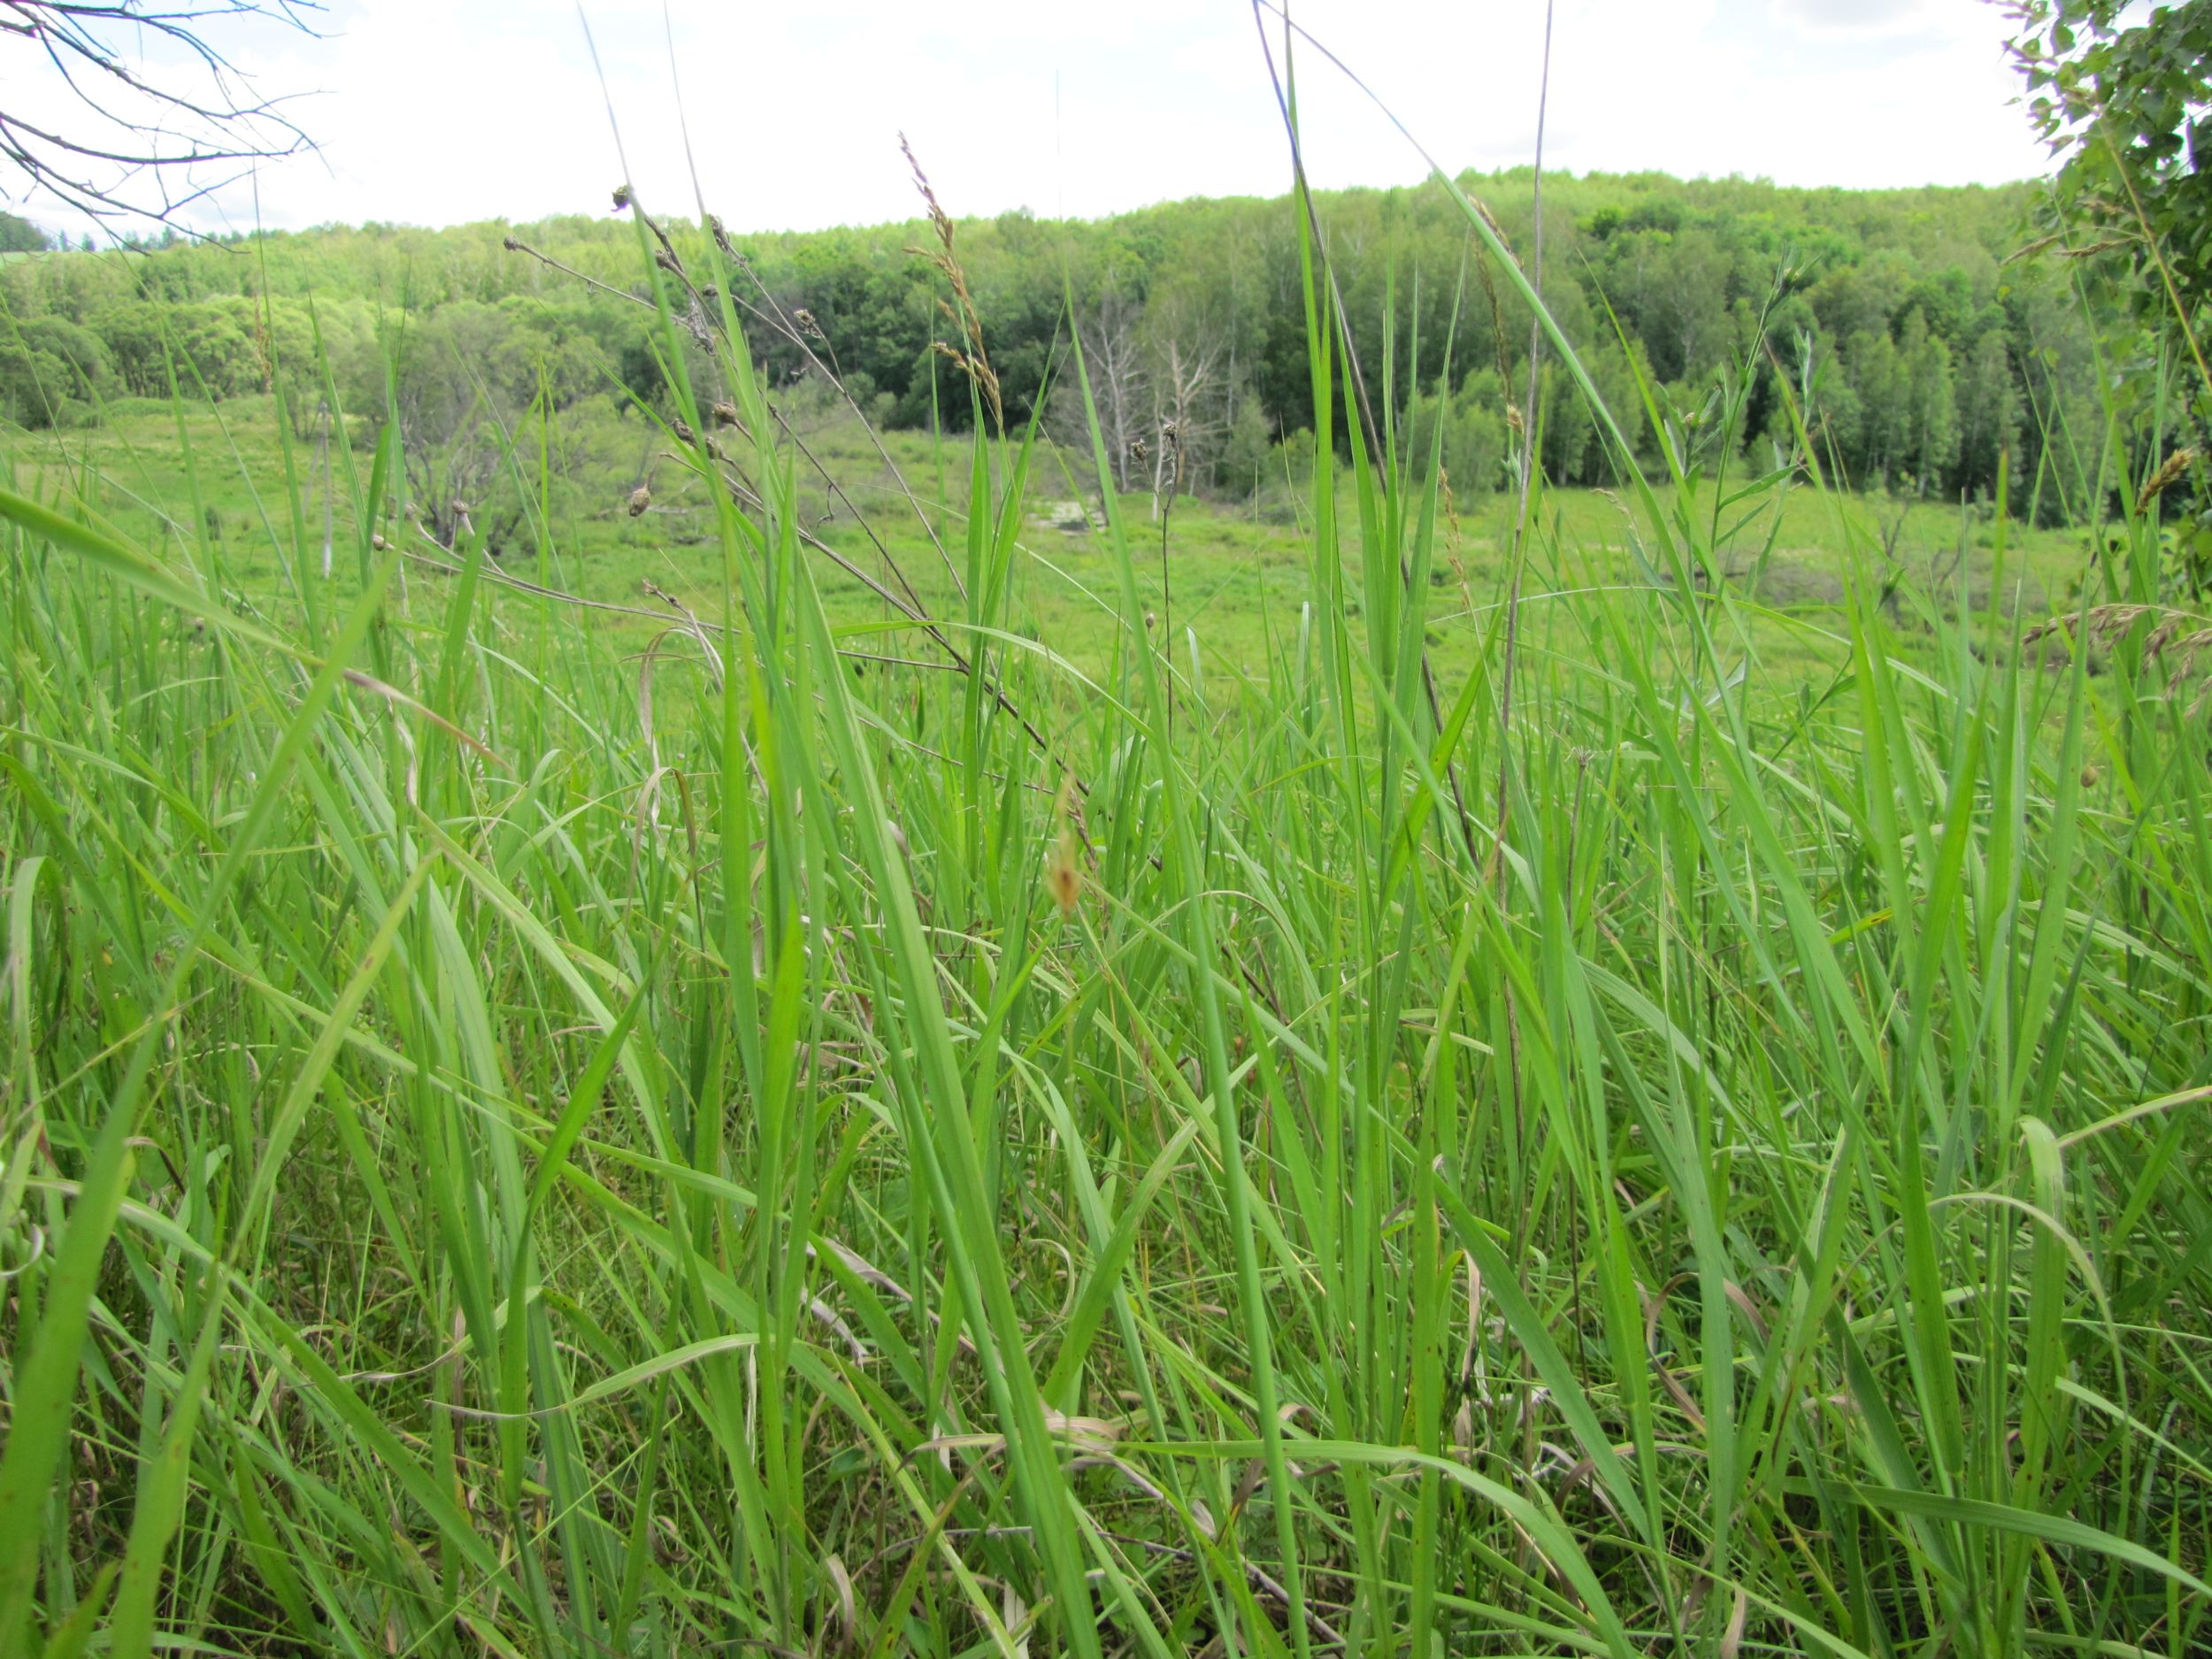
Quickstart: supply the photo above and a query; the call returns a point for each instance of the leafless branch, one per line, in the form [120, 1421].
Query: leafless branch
[149, 115]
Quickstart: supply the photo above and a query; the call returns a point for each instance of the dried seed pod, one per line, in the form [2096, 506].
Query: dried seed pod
[724, 414]
[640, 498]
[379, 543]
[1064, 876]
[807, 324]
[460, 509]
[621, 197]
[684, 434]
[1064, 867]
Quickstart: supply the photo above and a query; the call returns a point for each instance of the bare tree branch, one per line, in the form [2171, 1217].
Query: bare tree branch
[163, 117]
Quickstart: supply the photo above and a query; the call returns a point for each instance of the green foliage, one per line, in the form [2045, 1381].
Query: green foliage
[1474, 440]
[51, 369]
[2121, 97]
[19, 236]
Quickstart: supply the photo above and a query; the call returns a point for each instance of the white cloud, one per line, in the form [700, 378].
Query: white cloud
[442, 111]
[1846, 19]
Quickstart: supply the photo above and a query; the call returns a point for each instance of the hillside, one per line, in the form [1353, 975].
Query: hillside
[1912, 347]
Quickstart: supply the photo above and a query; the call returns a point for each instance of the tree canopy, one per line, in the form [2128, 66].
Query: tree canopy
[1891, 320]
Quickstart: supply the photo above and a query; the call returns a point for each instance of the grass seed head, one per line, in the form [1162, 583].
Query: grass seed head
[1063, 873]
[1064, 867]
[976, 361]
[2175, 467]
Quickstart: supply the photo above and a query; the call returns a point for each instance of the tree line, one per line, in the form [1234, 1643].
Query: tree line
[1895, 328]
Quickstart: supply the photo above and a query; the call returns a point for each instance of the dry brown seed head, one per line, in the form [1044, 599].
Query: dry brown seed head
[621, 197]
[1063, 875]
[640, 498]
[724, 414]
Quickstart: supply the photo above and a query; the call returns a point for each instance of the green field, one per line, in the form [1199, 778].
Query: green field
[1235, 574]
[752, 1059]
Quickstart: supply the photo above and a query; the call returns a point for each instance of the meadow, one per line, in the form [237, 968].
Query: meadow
[1362, 1073]
[889, 501]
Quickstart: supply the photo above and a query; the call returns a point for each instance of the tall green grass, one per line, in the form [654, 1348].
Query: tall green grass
[513, 1149]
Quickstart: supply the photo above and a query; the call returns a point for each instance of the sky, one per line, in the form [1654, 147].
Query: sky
[441, 111]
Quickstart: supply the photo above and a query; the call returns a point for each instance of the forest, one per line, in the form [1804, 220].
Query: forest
[1912, 336]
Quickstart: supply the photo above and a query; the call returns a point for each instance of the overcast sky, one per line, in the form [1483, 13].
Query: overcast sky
[436, 111]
